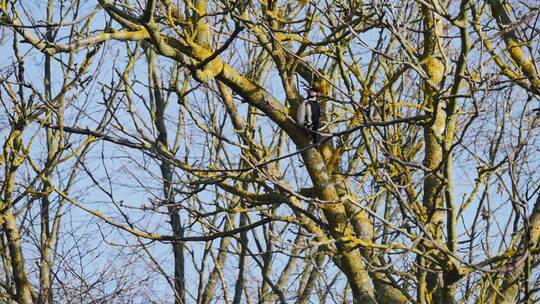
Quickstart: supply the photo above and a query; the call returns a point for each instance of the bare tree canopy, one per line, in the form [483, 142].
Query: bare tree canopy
[153, 151]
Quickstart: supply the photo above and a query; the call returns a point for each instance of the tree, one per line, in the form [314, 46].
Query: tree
[154, 142]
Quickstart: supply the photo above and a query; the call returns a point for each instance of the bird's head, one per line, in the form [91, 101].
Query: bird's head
[314, 92]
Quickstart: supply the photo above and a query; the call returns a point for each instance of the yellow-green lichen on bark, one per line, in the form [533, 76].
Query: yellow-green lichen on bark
[429, 286]
[526, 65]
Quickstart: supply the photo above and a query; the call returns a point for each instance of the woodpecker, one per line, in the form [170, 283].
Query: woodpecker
[535, 113]
[308, 114]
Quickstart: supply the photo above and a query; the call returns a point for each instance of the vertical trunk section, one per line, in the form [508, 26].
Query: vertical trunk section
[24, 294]
[167, 176]
[210, 287]
[429, 283]
[242, 262]
[45, 263]
[13, 159]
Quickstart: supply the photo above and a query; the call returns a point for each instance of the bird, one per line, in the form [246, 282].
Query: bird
[308, 114]
[535, 113]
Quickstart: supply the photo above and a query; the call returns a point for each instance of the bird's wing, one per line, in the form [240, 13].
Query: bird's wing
[315, 115]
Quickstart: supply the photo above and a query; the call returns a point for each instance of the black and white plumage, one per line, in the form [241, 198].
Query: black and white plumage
[308, 114]
[535, 118]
